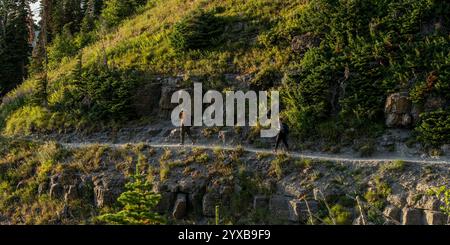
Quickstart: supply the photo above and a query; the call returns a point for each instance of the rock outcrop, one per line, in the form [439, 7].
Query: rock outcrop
[107, 188]
[279, 207]
[180, 208]
[398, 111]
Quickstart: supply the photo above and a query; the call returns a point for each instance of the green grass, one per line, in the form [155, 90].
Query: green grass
[394, 166]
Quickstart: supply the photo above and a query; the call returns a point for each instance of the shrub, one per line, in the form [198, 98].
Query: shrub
[443, 194]
[116, 10]
[330, 131]
[397, 165]
[198, 30]
[340, 215]
[278, 165]
[27, 120]
[434, 128]
[266, 78]
[376, 196]
[105, 93]
[304, 163]
[63, 46]
[202, 158]
[306, 94]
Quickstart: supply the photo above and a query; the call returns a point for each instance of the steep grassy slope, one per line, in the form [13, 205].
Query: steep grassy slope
[334, 61]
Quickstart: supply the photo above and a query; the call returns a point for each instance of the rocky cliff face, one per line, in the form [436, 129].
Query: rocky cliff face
[249, 188]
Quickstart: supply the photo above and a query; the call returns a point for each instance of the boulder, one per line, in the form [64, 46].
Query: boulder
[398, 200]
[279, 207]
[210, 200]
[186, 185]
[393, 212]
[298, 210]
[425, 202]
[387, 141]
[433, 204]
[291, 187]
[180, 207]
[445, 149]
[260, 202]
[398, 111]
[107, 188]
[435, 218]
[166, 202]
[195, 189]
[195, 202]
[412, 216]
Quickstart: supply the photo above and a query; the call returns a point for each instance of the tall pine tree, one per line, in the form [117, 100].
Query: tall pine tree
[16, 27]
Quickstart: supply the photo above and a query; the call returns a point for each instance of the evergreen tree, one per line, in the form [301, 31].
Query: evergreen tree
[116, 10]
[15, 42]
[139, 203]
[199, 30]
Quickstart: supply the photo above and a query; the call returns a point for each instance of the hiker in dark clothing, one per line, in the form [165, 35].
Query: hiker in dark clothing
[282, 135]
[185, 129]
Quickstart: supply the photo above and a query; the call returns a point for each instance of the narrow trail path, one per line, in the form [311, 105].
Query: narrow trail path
[311, 155]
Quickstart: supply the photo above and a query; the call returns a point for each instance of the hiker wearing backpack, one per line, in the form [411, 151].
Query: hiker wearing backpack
[184, 129]
[282, 135]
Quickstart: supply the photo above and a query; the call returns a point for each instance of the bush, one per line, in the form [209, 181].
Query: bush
[101, 93]
[340, 215]
[266, 78]
[394, 166]
[330, 131]
[116, 10]
[434, 128]
[198, 30]
[14, 100]
[27, 120]
[63, 46]
[278, 165]
[443, 194]
[377, 195]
